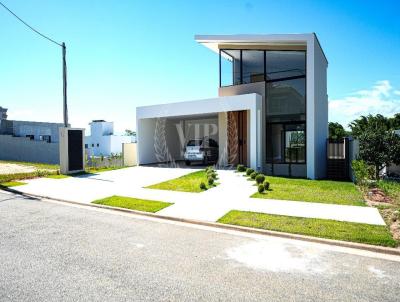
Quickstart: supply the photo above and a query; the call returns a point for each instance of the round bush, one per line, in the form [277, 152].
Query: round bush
[266, 185]
[253, 175]
[261, 189]
[210, 181]
[240, 168]
[260, 178]
[249, 171]
[203, 186]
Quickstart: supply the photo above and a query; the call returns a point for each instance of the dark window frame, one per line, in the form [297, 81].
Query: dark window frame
[285, 161]
[265, 66]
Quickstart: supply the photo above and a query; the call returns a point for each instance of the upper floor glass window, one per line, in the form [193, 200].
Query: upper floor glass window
[250, 66]
[230, 73]
[285, 64]
[253, 66]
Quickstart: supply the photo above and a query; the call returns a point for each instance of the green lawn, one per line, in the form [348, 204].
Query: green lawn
[9, 184]
[36, 165]
[57, 176]
[186, 183]
[331, 229]
[133, 203]
[324, 191]
[104, 169]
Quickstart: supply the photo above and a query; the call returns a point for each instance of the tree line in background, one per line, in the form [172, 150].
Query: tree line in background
[360, 125]
[379, 144]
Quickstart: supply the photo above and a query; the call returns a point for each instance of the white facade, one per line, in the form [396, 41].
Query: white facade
[102, 141]
[316, 106]
[151, 128]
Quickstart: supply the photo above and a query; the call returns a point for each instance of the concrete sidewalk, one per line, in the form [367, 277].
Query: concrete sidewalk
[233, 193]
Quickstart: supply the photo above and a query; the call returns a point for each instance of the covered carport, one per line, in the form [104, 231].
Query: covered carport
[163, 130]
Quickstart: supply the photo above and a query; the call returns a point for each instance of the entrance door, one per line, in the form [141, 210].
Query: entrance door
[237, 137]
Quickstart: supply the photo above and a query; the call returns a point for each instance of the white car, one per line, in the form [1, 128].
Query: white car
[203, 150]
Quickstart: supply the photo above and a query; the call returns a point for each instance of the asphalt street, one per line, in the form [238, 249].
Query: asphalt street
[51, 251]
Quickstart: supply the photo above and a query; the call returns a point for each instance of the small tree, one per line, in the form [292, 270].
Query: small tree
[379, 147]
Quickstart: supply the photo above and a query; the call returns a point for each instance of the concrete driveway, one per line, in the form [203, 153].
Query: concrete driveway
[233, 193]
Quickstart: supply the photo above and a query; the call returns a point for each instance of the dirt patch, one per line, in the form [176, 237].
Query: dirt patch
[14, 169]
[376, 195]
[392, 219]
[387, 207]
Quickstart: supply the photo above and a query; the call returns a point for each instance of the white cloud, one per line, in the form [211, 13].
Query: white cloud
[381, 98]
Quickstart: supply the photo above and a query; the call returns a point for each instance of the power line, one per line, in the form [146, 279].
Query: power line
[26, 24]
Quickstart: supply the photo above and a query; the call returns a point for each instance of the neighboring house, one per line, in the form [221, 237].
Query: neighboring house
[271, 112]
[28, 141]
[102, 140]
[3, 114]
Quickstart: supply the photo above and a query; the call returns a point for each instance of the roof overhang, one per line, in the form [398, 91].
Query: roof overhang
[215, 42]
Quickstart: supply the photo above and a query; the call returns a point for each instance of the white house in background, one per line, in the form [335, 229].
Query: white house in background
[271, 112]
[102, 140]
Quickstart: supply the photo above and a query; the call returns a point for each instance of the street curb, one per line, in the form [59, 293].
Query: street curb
[346, 244]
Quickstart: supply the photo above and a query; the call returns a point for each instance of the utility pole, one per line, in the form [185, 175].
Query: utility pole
[65, 107]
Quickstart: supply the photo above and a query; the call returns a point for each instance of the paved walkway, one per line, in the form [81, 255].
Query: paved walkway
[233, 193]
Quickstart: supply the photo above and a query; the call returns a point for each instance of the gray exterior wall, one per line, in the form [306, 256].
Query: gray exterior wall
[23, 128]
[24, 149]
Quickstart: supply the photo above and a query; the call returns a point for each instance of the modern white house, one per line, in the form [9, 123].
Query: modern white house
[271, 112]
[102, 141]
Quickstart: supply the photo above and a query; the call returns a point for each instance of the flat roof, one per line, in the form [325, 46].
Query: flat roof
[213, 41]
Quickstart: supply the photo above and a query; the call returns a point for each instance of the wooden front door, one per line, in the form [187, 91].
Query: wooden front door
[237, 137]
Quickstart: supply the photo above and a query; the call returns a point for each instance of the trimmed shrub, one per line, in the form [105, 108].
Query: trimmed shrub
[210, 181]
[253, 175]
[209, 168]
[249, 171]
[260, 178]
[266, 185]
[213, 175]
[240, 168]
[261, 189]
[203, 186]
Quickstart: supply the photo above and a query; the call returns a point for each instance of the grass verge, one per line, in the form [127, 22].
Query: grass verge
[57, 176]
[322, 191]
[10, 184]
[29, 175]
[324, 228]
[186, 183]
[94, 170]
[133, 203]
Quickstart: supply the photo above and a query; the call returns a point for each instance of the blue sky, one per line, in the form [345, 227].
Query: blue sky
[123, 54]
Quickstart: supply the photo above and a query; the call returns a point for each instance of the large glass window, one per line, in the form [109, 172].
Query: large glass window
[286, 100]
[285, 64]
[253, 66]
[295, 144]
[286, 143]
[230, 67]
